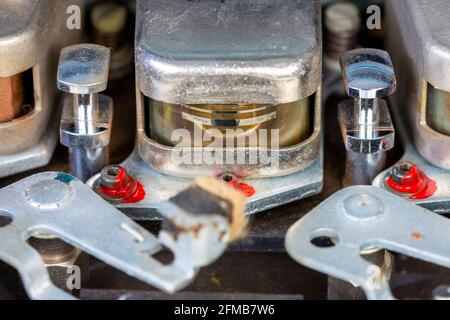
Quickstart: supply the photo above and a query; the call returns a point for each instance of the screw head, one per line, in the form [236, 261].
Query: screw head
[83, 69]
[109, 175]
[368, 73]
[401, 170]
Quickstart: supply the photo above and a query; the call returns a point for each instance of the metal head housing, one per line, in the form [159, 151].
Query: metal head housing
[419, 43]
[424, 33]
[256, 51]
[32, 32]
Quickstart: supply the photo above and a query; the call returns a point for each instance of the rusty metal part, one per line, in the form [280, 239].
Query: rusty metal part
[202, 220]
[11, 97]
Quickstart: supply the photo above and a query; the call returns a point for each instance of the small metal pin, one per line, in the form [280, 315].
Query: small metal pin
[86, 121]
[365, 121]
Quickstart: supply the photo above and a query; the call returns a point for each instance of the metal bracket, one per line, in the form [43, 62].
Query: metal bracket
[439, 202]
[331, 237]
[270, 192]
[60, 205]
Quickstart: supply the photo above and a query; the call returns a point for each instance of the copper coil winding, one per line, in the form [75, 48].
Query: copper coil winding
[11, 98]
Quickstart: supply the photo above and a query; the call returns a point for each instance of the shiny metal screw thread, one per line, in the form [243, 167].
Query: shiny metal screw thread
[109, 21]
[342, 24]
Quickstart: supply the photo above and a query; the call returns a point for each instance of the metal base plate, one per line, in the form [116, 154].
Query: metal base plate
[37, 156]
[270, 192]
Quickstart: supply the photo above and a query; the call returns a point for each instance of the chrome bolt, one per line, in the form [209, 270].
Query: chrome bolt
[365, 121]
[368, 75]
[83, 72]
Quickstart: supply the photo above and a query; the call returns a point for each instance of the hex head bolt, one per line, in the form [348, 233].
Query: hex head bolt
[86, 121]
[408, 181]
[365, 121]
[116, 186]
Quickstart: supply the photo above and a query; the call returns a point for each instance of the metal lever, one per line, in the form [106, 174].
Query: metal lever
[365, 122]
[86, 120]
[58, 204]
[362, 217]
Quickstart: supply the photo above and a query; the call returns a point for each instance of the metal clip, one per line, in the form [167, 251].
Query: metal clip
[362, 217]
[60, 205]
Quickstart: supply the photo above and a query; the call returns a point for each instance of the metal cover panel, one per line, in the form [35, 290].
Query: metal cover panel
[232, 51]
[425, 29]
